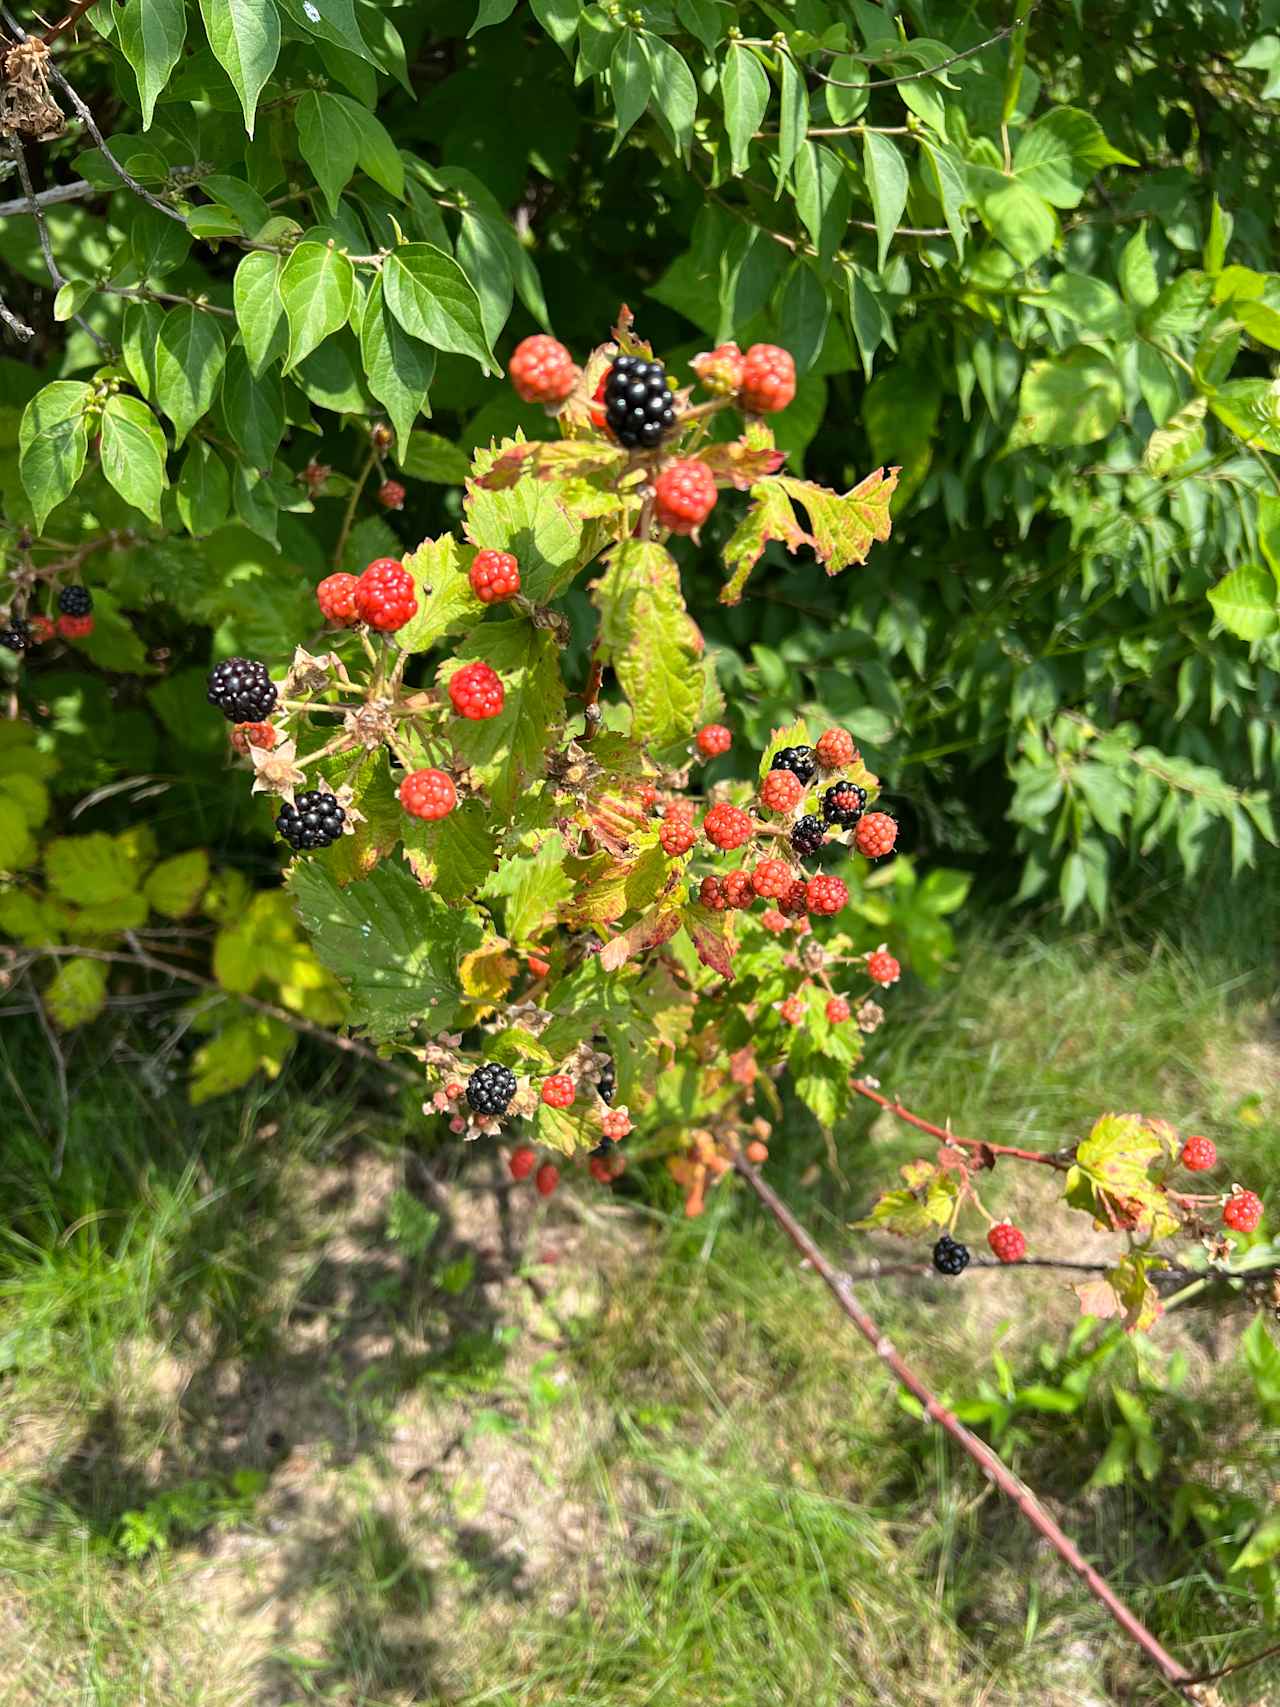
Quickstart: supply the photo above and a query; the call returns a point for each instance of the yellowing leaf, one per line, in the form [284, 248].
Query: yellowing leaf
[175, 885]
[650, 640]
[486, 974]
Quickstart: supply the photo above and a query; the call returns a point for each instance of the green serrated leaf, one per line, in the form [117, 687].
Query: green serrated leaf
[395, 946]
[1245, 602]
[174, 887]
[651, 642]
[505, 752]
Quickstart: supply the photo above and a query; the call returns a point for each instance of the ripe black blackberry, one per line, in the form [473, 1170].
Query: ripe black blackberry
[608, 1082]
[17, 636]
[603, 1148]
[242, 690]
[843, 804]
[800, 761]
[808, 834]
[75, 601]
[637, 402]
[949, 1257]
[491, 1088]
[313, 821]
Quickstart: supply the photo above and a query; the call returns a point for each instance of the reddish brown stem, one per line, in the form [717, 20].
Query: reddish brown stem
[992, 1467]
[72, 18]
[1043, 1157]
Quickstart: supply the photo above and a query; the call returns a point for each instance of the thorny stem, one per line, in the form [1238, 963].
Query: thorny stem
[72, 18]
[1044, 1157]
[992, 1467]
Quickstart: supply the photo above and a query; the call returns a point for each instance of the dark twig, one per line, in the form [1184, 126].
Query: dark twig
[91, 126]
[930, 70]
[1236, 1665]
[42, 231]
[993, 1467]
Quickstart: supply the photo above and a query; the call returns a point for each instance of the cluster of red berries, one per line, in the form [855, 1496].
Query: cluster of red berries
[1242, 1210]
[763, 381]
[384, 597]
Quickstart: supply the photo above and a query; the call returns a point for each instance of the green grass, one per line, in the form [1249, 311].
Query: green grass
[663, 1473]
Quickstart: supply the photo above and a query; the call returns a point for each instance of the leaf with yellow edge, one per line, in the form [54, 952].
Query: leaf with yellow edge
[565, 1129]
[1113, 1163]
[846, 526]
[925, 1204]
[651, 642]
[771, 516]
[607, 888]
[651, 930]
[229, 1060]
[487, 973]
[743, 461]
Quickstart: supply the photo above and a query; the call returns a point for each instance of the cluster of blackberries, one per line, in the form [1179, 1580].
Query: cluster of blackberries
[75, 601]
[17, 637]
[607, 1084]
[637, 402]
[491, 1088]
[242, 690]
[802, 762]
[949, 1257]
[843, 804]
[313, 821]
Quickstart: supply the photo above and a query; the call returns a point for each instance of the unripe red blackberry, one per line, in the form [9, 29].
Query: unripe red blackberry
[774, 921]
[781, 791]
[542, 370]
[391, 495]
[711, 895]
[385, 596]
[792, 1010]
[522, 1162]
[837, 1010]
[826, 894]
[547, 1179]
[616, 1124]
[336, 596]
[1007, 1242]
[719, 370]
[246, 735]
[475, 691]
[882, 968]
[494, 577]
[428, 794]
[773, 878]
[714, 739]
[677, 836]
[727, 826]
[1199, 1154]
[558, 1091]
[1242, 1211]
[684, 495]
[768, 379]
[875, 835]
[835, 749]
